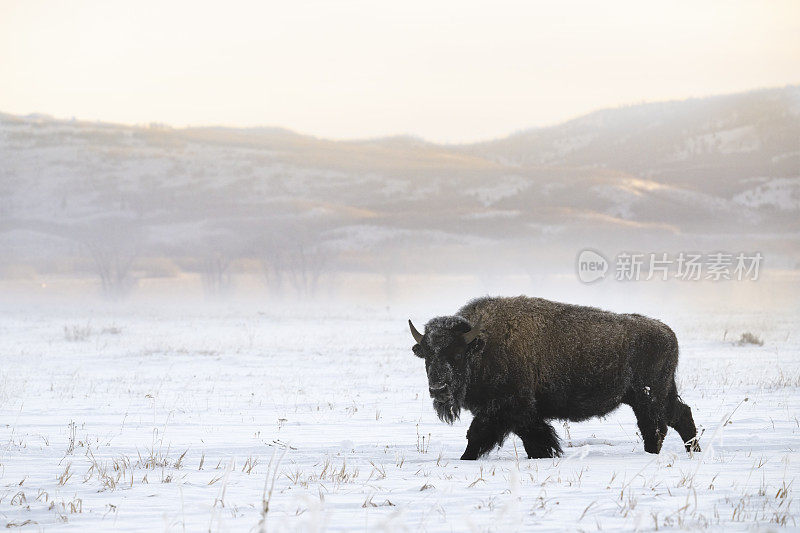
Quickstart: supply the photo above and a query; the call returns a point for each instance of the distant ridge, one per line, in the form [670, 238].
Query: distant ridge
[645, 107]
[721, 171]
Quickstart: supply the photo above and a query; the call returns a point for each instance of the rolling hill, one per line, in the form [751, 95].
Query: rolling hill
[718, 172]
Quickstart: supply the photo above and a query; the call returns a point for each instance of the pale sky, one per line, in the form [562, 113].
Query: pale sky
[447, 71]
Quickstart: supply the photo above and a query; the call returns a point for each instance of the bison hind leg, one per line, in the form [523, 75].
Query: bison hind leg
[540, 439]
[683, 422]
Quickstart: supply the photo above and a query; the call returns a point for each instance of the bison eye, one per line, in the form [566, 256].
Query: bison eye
[452, 355]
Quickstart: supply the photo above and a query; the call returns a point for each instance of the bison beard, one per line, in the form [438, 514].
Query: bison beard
[448, 411]
[517, 363]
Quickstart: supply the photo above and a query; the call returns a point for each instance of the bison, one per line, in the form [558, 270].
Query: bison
[517, 363]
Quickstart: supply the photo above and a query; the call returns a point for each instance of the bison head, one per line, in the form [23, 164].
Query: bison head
[446, 347]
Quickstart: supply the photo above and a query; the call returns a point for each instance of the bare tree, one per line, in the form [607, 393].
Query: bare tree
[219, 251]
[293, 254]
[308, 260]
[271, 248]
[215, 273]
[114, 244]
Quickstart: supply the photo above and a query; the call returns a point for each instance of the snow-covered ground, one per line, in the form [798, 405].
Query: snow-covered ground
[138, 418]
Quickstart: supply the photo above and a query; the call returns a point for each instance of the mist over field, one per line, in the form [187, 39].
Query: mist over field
[98, 209]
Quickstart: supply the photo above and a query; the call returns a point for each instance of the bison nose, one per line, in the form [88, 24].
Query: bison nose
[437, 389]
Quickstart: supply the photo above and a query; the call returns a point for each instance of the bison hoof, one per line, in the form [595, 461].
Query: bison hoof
[545, 454]
[469, 456]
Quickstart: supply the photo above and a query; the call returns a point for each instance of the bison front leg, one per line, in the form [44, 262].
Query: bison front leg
[482, 436]
[539, 438]
[651, 425]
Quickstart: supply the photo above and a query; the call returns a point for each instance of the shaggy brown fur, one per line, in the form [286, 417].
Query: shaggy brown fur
[535, 360]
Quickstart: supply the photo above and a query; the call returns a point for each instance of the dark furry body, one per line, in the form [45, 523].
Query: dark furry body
[537, 360]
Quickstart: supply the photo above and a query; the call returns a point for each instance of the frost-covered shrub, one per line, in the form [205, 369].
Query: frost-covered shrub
[749, 338]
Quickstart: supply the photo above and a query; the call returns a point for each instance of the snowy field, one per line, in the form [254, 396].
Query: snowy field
[234, 419]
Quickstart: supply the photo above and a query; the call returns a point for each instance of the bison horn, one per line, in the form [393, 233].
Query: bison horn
[416, 334]
[472, 334]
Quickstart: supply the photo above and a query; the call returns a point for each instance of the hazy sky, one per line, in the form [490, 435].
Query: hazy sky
[447, 71]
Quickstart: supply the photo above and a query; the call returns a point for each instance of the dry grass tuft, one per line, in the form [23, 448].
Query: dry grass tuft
[77, 333]
[64, 477]
[749, 338]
